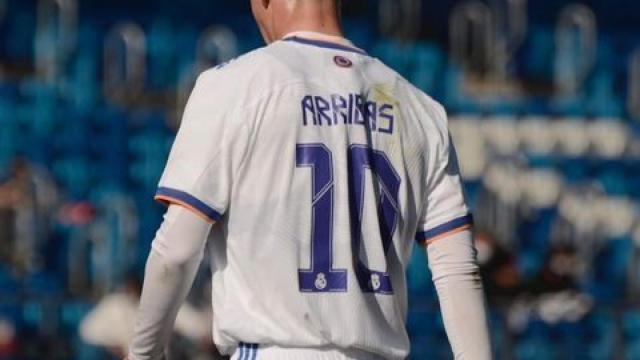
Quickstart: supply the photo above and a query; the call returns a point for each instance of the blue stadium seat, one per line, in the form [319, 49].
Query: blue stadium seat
[598, 336]
[498, 332]
[631, 333]
[609, 273]
[631, 324]
[111, 129]
[12, 312]
[602, 98]
[43, 285]
[10, 139]
[534, 231]
[418, 275]
[20, 31]
[537, 54]
[150, 154]
[632, 350]
[71, 314]
[395, 55]
[533, 348]
[612, 176]
[428, 337]
[9, 286]
[162, 53]
[427, 64]
[570, 105]
[75, 137]
[84, 89]
[149, 148]
[74, 174]
[453, 95]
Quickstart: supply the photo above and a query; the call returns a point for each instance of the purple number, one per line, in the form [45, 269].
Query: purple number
[386, 184]
[321, 276]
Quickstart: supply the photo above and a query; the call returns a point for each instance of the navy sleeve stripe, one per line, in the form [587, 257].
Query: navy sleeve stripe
[453, 225]
[183, 198]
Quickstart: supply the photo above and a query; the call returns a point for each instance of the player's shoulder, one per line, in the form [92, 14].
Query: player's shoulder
[428, 112]
[247, 73]
[237, 85]
[414, 96]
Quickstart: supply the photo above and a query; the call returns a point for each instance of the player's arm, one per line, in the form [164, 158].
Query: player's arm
[452, 261]
[446, 233]
[196, 184]
[171, 268]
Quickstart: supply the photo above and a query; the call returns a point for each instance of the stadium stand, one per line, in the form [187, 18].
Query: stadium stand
[544, 103]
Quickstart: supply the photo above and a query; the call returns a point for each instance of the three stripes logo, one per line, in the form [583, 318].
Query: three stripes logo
[247, 351]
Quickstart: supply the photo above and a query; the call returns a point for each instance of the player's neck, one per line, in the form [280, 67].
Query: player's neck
[321, 21]
[331, 32]
[312, 35]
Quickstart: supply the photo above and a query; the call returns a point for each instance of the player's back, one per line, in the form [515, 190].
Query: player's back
[327, 176]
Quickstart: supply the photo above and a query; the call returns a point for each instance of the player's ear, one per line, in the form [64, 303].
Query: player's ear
[260, 5]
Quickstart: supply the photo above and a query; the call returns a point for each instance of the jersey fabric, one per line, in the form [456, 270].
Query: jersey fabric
[321, 167]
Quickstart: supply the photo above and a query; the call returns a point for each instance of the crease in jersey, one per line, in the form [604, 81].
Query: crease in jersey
[447, 229]
[325, 44]
[173, 196]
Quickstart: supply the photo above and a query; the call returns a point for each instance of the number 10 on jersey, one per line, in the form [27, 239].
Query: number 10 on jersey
[322, 276]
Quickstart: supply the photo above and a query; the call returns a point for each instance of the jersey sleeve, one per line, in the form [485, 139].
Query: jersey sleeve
[445, 212]
[207, 148]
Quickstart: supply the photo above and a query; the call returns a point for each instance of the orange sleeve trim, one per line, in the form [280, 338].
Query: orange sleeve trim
[169, 200]
[446, 229]
[447, 234]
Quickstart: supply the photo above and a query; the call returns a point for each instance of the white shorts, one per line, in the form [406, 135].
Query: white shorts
[257, 352]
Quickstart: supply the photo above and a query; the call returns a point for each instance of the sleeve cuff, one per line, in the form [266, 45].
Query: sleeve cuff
[173, 196]
[447, 229]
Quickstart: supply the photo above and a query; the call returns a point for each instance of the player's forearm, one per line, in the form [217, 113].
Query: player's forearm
[458, 283]
[165, 287]
[169, 274]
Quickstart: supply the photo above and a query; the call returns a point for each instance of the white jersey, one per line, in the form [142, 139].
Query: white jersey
[321, 167]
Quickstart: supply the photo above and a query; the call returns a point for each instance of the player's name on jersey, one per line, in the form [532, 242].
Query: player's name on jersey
[353, 109]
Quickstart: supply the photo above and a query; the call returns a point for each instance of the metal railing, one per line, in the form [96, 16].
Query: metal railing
[510, 29]
[3, 10]
[216, 45]
[633, 96]
[56, 37]
[471, 36]
[3, 15]
[400, 19]
[125, 65]
[576, 47]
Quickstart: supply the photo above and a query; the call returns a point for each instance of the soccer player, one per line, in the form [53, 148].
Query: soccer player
[316, 167]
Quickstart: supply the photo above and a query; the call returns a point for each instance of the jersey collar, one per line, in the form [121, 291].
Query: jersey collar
[323, 41]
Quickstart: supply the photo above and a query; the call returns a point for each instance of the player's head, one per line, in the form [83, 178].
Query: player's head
[276, 18]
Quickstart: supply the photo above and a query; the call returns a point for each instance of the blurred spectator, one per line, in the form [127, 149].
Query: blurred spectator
[553, 295]
[113, 235]
[634, 270]
[8, 341]
[27, 199]
[559, 272]
[75, 219]
[110, 324]
[500, 275]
